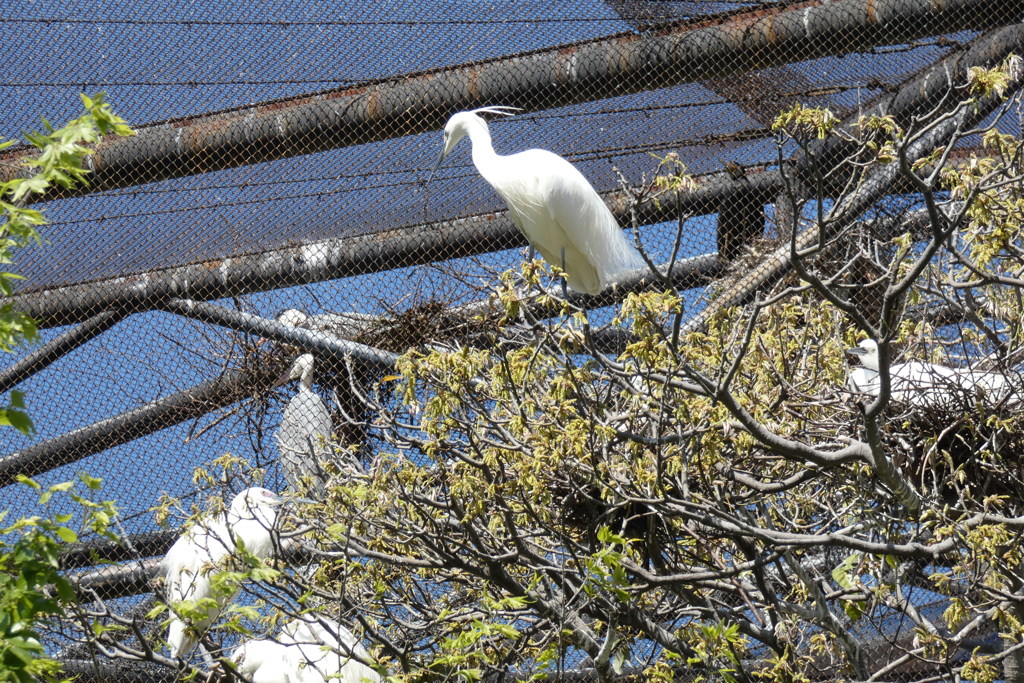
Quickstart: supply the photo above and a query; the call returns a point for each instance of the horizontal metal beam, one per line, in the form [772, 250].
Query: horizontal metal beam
[924, 90]
[206, 397]
[119, 580]
[135, 577]
[714, 47]
[350, 256]
[132, 547]
[62, 345]
[309, 341]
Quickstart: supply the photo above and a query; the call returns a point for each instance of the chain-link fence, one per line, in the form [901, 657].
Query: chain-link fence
[280, 162]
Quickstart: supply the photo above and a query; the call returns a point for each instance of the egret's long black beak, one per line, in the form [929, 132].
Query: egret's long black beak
[437, 165]
[298, 499]
[283, 379]
[857, 351]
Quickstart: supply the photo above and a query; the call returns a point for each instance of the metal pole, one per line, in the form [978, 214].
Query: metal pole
[62, 345]
[307, 340]
[987, 51]
[351, 256]
[717, 47]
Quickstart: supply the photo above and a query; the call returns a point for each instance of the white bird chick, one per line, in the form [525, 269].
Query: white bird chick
[924, 385]
[201, 551]
[309, 649]
[551, 202]
[347, 325]
[292, 317]
[264, 661]
[306, 429]
[328, 651]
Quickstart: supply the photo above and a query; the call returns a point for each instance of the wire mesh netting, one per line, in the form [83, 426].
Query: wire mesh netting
[275, 202]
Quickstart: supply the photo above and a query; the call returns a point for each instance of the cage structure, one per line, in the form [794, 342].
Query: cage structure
[280, 161]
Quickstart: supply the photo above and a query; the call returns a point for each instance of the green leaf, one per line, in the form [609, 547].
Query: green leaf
[842, 574]
[67, 535]
[16, 418]
[852, 609]
[92, 482]
[27, 481]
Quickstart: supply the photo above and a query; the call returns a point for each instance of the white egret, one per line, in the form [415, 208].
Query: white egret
[551, 202]
[309, 649]
[264, 661]
[925, 385]
[342, 325]
[191, 562]
[329, 651]
[306, 430]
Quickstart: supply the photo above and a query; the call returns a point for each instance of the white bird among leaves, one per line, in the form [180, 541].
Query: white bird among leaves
[305, 432]
[925, 385]
[551, 202]
[310, 649]
[201, 551]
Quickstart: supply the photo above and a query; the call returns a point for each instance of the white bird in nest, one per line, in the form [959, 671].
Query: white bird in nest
[925, 385]
[342, 325]
[304, 437]
[200, 552]
[551, 202]
[309, 649]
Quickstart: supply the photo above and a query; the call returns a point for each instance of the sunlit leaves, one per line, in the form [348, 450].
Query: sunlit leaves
[805, 123]
[32, 587]
[61, 161]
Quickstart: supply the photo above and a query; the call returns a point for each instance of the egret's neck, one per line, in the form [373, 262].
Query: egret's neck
[483, 151]
[306, 379]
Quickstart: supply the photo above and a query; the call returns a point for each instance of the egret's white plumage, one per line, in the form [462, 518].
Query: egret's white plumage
[305, 432]
[309, 649]
[343, 325]
[560, 213]
[264, 661]
[925, 385]
[329, 651]
[199, 552]
[863, 380]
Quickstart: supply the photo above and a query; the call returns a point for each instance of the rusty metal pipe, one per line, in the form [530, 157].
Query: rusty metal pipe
[350, 256]
[564, 75]
[60, 346]
[164, 412]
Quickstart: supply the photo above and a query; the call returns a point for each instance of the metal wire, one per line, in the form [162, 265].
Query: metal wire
[156, 387]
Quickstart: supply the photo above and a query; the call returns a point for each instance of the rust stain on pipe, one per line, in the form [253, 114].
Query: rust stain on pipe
[473, 83]
[415, 102]
[872, 12]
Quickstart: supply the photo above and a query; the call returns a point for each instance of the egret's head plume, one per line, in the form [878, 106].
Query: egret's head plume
[459, 124]
[500, 110]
